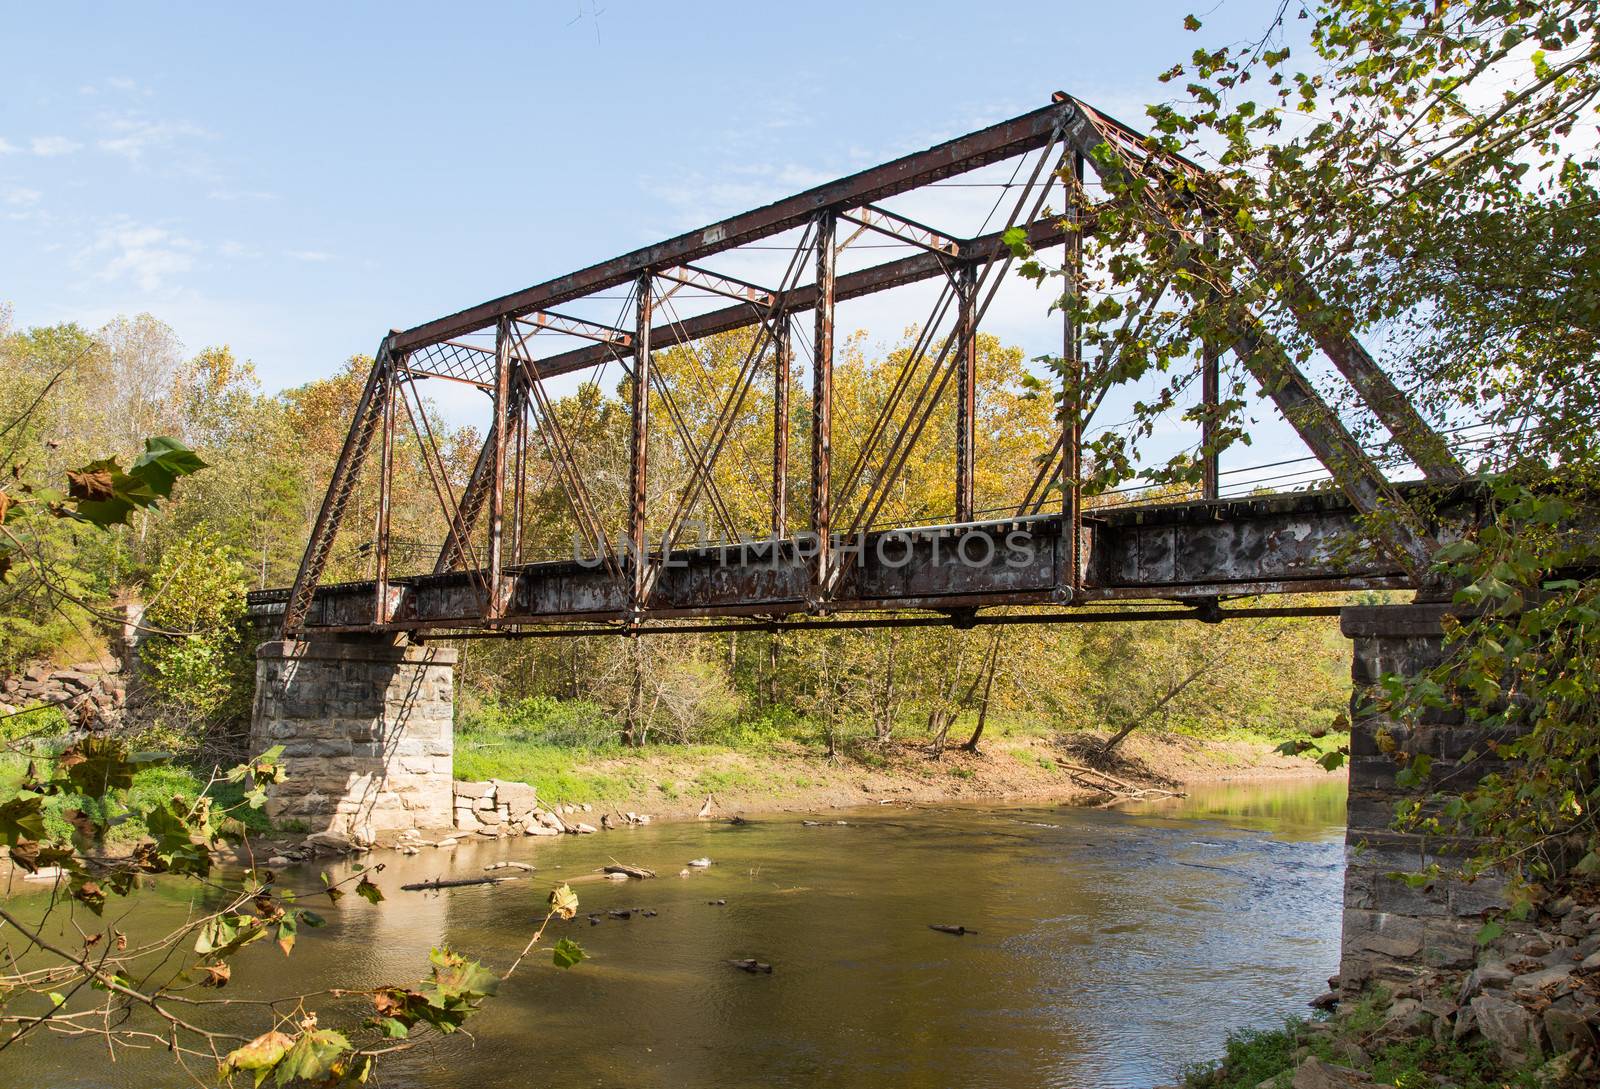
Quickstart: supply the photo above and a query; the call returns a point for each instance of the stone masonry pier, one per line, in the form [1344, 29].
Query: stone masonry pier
[1394, 933]
[366, 730]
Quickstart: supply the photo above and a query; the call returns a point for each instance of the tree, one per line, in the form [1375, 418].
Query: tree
[1422, 175]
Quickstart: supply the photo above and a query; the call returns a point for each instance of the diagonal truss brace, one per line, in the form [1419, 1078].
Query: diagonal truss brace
[369, 412]
[872, 218]
[1425, 447]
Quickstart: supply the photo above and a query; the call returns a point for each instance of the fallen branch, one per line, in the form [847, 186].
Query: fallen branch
[632, 871]
[1131, 789]
[451, 883]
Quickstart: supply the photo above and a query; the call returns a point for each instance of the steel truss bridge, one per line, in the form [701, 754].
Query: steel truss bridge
[1053, 550]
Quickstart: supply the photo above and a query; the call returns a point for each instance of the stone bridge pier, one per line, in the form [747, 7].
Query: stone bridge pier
[366, 729]
[1392, 932]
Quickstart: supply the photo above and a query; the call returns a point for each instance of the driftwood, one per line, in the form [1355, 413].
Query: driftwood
[947, 928]
[631, 871]
[523, 866]
[750, 964]
[1125, 790]
[451, 883]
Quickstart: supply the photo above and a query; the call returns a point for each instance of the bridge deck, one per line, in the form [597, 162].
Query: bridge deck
[1294, 543]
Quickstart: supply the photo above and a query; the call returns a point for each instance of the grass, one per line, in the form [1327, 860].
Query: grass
[1253, 1057]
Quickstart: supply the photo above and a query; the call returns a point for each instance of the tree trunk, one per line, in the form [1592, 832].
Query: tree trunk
[988, 686]
[630, 723]
[886, 706]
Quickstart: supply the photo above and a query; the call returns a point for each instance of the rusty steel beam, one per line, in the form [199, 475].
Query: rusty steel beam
[851, 285]
[1003, 141]
[718, 284]
[639, 447]
[780, 427]
[1069, 561]
[589, 330]
[497, 481]
[966, 387]
[822, 404]
[475, 494]
[341, 485]
[898, 227]
[1425, 447]
[380, 610]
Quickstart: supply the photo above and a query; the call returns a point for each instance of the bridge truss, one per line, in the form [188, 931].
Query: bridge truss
[655, 565]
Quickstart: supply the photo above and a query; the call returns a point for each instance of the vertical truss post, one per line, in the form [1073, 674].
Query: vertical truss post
[822, 404]
[639, 449]
[780, 428]
[520, 476]
[1210, 383]
[1069, 559]
[380, 610]
[495, 606]
[1210, 395]
[966, 387]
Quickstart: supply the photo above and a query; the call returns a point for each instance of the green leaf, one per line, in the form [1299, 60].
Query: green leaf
[164, 460]
[566, 953]
[395, 1030]
[1191, 23]
[57, 999]
[1489, 932]
[259, 1056]
[313, 1057]
[369, 892]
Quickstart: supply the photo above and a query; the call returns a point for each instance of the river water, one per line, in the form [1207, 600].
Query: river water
[1112, 948]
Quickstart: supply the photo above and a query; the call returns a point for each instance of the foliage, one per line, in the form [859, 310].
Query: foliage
[196, 658]
[1423, 176]
[117, 995]
[1254, 1057]
[1520, 669]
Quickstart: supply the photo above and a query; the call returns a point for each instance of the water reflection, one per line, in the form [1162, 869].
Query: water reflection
[1112, 948]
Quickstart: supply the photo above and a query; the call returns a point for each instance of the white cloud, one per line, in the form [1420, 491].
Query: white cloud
[316, 256]
[132, 137]
[147, 255]
[241, 194]
[6, 147]
[20, 198]
[51, 146]
[231, 248]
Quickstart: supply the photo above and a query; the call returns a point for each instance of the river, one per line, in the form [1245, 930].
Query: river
[1112, 948]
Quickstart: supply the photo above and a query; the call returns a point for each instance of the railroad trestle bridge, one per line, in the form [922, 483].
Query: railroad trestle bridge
[358, 686]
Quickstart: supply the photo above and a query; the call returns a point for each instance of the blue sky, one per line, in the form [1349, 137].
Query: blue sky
[294, 180]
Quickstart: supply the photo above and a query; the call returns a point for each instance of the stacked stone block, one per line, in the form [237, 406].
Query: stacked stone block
[366, 730]
[1394, 932]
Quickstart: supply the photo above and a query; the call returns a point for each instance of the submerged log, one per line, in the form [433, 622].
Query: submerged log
[630, 871]
[947, 928]
[451, 883]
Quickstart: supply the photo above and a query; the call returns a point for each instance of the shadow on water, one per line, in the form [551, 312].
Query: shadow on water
[1112, 949]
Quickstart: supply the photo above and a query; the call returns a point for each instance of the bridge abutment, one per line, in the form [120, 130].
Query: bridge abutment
[1394, 932]
[366, 730]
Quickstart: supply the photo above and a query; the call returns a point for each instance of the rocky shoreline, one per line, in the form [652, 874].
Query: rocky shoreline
[1524, 1010]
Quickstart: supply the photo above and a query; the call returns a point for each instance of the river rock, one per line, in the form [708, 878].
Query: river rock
[1317, 1074]
[1568, 1029]
[1545, 978]
[584, 829]
[537, 829]
[1490, 974]
[1506, 1024]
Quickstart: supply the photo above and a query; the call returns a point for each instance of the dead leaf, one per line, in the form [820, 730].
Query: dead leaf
[94, 485]
[216, 975]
